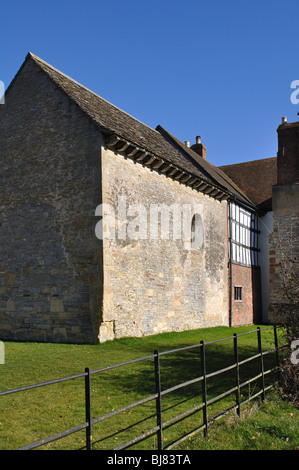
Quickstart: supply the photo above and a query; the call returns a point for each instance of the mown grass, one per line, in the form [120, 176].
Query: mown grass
[271, 425]
[35, 414]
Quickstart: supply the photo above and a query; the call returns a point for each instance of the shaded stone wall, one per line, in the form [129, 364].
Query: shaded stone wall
[284, 241]
[284, 250]
[157, 285]
[50, 260]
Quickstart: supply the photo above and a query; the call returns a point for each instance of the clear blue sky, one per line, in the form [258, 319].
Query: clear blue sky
[221, 69]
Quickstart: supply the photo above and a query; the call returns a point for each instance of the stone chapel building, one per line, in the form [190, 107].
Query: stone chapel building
[110, 228]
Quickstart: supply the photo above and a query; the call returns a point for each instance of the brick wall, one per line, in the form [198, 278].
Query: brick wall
[287, 155]
[247, 310]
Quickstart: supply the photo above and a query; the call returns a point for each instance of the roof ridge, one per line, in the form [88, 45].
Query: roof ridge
[112, 119]
[38, 59]
[195, 158]
[248, 162]
[232, 183]
[181, 148]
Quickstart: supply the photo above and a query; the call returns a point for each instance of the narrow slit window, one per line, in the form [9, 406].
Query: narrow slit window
[196, 232]
[238, 292]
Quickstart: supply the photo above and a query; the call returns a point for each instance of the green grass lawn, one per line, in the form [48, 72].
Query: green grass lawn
[28, 416]
[272, 425]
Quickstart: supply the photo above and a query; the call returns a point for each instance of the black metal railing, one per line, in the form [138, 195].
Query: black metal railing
[159, 394]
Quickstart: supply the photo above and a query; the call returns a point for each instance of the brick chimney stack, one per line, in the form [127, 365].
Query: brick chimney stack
[288, 152]
[199, 148]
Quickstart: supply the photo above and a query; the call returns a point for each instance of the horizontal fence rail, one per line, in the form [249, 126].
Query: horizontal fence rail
[159, 394]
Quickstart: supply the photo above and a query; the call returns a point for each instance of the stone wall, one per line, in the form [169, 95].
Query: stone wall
[266, 228]
[58, 281]
[284, 241]
[50, 259]
[157, 285]
[284, 250]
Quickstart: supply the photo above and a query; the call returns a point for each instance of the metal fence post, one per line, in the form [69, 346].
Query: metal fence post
[88, 409]
[204, 387]
[259, 339]
[277, 354]
[236, 356]
[158, 400]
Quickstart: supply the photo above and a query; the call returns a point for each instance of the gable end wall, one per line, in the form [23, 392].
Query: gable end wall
[50, 272]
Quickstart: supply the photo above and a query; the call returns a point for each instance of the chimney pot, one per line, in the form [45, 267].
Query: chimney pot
[187, 142]
[199, 148]
[284, 120]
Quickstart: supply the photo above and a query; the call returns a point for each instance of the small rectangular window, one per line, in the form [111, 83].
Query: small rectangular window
[238, 293]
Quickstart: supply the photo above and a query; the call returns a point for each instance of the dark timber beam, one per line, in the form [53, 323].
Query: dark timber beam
[157, 164]
[165, 167]
[132, 152]
[140, 155]
[121, 146]
[149, 159]
[112, 141]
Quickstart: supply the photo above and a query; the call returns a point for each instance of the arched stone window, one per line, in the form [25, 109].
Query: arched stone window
[197, 232]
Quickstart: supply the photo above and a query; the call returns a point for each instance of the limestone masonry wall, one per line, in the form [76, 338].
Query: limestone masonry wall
[284, 240]
[284, 249]
[157, 285]
[58, 281]
[50, 260]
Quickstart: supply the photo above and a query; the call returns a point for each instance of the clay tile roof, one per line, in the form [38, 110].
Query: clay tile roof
[256, 179]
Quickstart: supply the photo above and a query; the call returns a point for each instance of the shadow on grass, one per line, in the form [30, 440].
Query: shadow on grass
[182, 366]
